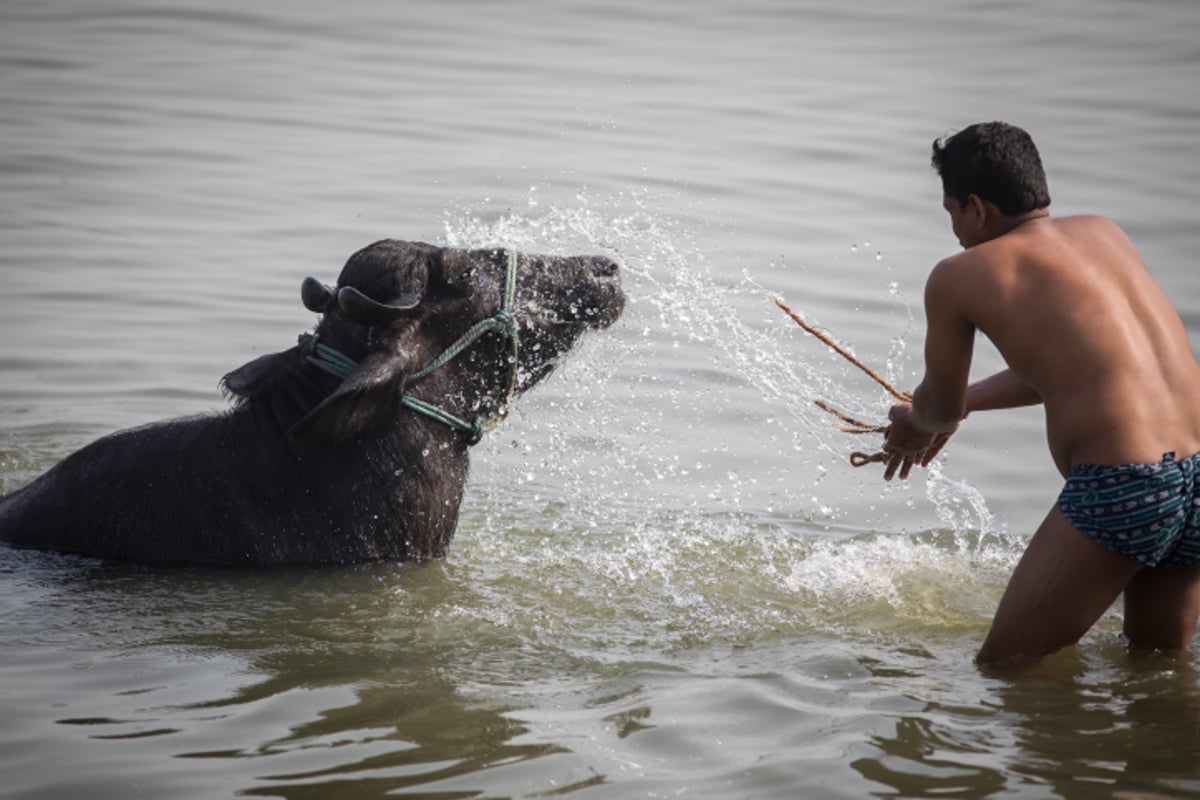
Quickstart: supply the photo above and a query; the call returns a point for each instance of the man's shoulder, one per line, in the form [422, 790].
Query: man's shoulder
[957, 264]
[1089, 221]
[1085, 218]
[975, 268]
[957, 273]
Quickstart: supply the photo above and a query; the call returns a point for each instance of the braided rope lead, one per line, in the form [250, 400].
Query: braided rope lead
[474, 429]
[857, 458]
[326, 358]
[904, 397]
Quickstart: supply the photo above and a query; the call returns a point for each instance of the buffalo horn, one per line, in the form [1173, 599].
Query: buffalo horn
[365, 311]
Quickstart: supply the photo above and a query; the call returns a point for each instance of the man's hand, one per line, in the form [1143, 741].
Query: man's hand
[906, 443]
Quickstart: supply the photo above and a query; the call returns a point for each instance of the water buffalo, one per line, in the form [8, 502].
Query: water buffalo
[351, 446]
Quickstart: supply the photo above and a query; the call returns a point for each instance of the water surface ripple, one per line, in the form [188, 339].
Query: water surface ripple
[667, 580]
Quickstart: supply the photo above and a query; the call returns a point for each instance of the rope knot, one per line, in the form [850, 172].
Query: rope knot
[506, 321]
[475, 434]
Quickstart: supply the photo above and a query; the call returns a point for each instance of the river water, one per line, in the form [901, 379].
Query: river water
[667, 580]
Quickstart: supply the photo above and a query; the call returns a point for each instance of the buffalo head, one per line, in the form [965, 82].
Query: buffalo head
[449, 333]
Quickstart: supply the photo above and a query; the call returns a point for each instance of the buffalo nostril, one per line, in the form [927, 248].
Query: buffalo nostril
[603, 267]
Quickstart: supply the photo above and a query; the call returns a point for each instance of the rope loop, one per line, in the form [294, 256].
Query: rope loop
[858, 459]
[503, 321]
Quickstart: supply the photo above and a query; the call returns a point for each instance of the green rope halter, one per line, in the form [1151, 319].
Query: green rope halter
[503, 322]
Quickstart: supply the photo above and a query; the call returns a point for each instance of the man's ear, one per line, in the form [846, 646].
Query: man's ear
[975, 205]
[366, 401]
[978, 209]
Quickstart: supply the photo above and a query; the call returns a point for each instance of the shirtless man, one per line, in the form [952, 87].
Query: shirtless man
[1087, 333]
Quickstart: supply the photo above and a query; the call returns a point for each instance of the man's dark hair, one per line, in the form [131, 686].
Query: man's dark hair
[995, 160]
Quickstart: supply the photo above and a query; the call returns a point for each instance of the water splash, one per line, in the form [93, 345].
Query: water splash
[677, 294]
[676, 474]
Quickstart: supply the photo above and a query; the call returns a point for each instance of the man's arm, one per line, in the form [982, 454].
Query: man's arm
[940, 401]
[919, 431]
[1005, 389]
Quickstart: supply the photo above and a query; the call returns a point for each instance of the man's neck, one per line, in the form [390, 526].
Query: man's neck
[1012, 223]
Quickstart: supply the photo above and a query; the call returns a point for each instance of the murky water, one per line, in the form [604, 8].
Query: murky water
[667, 580]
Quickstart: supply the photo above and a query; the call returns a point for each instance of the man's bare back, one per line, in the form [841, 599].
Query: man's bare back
[1086, 332]
[1075, 314]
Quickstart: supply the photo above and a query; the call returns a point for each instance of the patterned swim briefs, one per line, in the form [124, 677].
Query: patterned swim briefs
[1149, 512]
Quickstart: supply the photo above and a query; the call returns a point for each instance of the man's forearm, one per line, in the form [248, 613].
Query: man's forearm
[931, 415]
[1003, 390]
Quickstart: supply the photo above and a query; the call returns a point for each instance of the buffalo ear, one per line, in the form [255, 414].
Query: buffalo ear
[252, 377]
[316, 296]
[366, 401]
